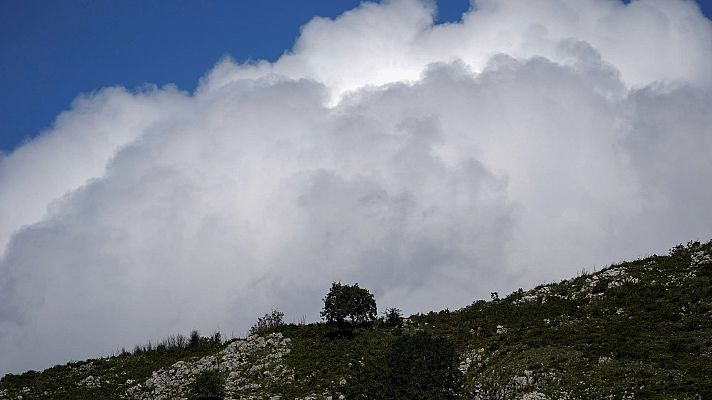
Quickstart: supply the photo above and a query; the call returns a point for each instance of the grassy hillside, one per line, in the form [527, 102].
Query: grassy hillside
[637, 330]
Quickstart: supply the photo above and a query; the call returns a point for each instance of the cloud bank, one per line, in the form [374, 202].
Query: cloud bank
[431, 163]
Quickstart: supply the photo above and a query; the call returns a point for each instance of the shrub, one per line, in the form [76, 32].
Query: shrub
[423, 366]
[393, 317]
[268, 322]
[194, 341]
[176, 342]
[347, 305]
[208, 385]
[416, 367]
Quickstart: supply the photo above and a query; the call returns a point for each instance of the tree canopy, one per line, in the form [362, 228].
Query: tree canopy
[348, 305]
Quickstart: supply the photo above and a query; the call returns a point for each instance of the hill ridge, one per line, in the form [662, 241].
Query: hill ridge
[638, 329]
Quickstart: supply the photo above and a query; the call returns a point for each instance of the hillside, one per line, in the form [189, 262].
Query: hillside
[637, 330]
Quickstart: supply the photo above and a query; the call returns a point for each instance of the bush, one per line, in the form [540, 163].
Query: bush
[347, 305]
[208, 385]
[423, 366]
[268, 322]
[417, 367]
[393, 317]
[194, 341]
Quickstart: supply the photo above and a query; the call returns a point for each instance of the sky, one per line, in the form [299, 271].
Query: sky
[54, 52]
[193, 165]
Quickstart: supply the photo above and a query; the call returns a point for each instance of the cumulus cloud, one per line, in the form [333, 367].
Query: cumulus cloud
[430, 163]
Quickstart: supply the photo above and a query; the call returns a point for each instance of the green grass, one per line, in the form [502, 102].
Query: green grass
[62, 381]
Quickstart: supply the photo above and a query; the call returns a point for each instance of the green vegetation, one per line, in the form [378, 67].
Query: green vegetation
[348, 306]
[208, 385]
[70, 381]
[640, 329]
[393, 318]
[417, 366]
[268, 322]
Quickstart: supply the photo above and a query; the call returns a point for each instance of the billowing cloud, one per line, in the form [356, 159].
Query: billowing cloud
[430, 163]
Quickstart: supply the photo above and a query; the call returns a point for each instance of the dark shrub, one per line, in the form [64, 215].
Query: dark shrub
[423, 366]
[194, 341]
[208, 385]
[417, 367]
[393, 317]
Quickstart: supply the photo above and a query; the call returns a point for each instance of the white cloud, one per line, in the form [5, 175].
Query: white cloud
[76, 149]
[646, 41]
[430, 163]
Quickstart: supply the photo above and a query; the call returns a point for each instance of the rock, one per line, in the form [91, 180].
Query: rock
[250, 363]
[534, 396]
[604, 360]
[700, 259]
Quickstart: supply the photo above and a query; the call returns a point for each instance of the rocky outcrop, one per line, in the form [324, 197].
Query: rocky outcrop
[250, 365]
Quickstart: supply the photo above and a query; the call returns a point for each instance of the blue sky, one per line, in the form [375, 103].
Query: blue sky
[51, 53]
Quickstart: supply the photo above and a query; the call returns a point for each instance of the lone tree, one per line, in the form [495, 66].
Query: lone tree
[347, 305]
